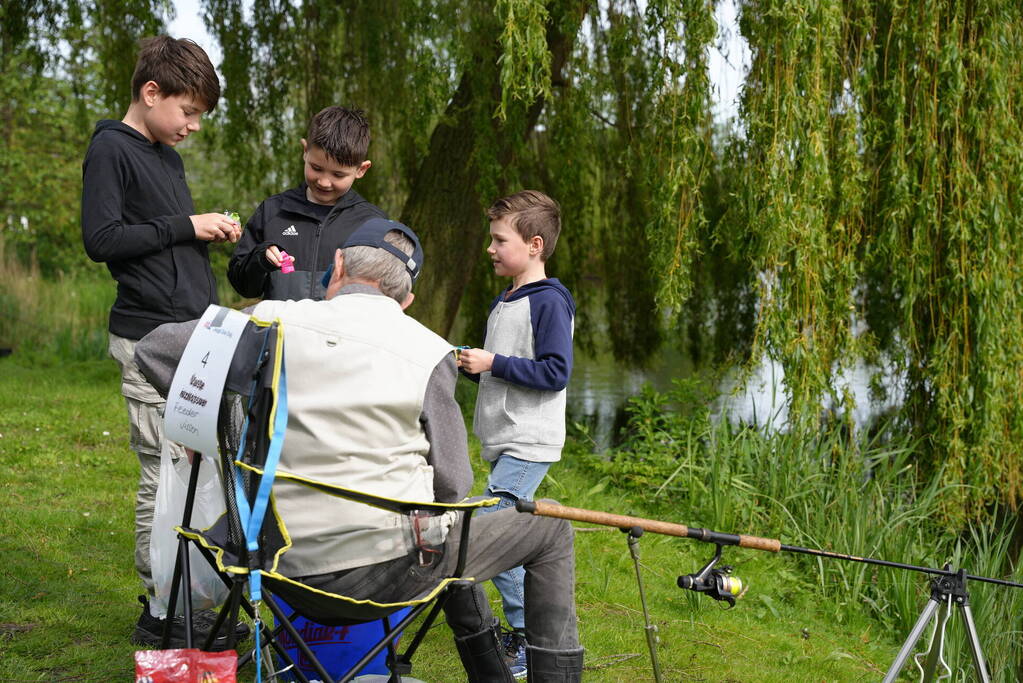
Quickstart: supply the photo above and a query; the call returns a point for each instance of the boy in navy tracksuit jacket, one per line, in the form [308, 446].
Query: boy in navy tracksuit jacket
[311, 221]
[522, 369]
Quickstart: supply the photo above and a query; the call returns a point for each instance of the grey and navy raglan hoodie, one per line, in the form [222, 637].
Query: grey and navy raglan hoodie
[520, 407]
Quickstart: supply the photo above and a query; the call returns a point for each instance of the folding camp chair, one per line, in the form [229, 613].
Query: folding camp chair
[247, 542]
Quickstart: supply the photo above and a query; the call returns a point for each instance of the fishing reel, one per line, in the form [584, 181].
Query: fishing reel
[717, 583]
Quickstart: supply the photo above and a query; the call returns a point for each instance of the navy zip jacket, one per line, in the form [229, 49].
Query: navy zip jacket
[520, 406]
[136, 211]
[296, 225]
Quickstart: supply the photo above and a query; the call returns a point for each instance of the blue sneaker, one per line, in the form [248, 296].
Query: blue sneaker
[514, 644]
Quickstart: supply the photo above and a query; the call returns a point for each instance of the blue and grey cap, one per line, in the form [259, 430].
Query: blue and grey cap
[371, 234]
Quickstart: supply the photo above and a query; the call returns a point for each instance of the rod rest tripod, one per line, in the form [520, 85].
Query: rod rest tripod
[946, 590]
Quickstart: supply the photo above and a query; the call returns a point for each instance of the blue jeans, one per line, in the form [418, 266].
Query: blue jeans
[512, 479]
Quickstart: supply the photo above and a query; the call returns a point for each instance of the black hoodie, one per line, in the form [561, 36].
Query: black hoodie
[308, 232]
[135, 218]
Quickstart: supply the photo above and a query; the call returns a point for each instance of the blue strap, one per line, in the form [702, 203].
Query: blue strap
[273, 456]
[252, 520]
[239, 492]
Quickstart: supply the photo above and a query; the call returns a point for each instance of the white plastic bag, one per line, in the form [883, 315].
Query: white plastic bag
[208, 590]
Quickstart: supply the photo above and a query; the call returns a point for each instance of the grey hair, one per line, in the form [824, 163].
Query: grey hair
[381, 266]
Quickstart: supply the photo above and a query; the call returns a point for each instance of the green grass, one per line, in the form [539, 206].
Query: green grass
[776, 632]
[66, 579]
[68, 587]
[865, 495]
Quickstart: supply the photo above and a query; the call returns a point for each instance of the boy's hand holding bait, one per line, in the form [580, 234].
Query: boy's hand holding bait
[475, 360]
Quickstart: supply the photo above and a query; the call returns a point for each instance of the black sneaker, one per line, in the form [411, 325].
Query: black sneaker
[149, 629]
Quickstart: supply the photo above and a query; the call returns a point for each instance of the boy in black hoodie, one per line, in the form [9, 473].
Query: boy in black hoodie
[309, 222]
[138, 218]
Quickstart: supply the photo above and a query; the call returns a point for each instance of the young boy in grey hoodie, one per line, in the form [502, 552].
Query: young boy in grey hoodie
[522, 369]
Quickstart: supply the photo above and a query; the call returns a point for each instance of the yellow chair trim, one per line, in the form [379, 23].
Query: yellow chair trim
[218, 552]
[372, 603]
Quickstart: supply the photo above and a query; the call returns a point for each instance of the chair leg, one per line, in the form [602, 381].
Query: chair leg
[554, 666]
[483, 657]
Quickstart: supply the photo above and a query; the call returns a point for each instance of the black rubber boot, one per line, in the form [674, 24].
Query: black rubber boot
[483, 657]
[554, 666]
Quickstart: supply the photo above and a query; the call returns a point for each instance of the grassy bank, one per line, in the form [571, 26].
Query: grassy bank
[862, 495]
[68, 586]
[52, 321]
[48, 322]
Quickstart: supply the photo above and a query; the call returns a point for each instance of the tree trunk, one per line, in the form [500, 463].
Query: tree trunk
[444, 206]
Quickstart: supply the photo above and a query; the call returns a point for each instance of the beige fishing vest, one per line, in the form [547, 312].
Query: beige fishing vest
[357, 369]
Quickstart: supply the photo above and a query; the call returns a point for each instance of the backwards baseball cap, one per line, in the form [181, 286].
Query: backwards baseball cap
[371, 234]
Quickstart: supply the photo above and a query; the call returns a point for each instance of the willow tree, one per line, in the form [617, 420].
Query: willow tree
[941, 87]
[883, 159]
[468, 101]
[866, 206]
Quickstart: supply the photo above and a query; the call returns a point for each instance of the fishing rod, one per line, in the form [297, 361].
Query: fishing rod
[545, 509]
[948, 586]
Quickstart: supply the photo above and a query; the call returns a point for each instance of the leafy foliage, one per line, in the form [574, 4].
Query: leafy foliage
[863, 206]
[875, 190]
[858, 495]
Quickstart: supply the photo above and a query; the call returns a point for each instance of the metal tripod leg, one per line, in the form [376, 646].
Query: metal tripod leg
[971, 633]
[651, 629]
[935, 655]
[945, 591]
[914, 635]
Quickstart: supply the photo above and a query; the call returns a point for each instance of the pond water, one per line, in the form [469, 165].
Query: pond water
[600, 387]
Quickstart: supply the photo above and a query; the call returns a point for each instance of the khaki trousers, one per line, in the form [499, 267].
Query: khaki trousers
[145, 417]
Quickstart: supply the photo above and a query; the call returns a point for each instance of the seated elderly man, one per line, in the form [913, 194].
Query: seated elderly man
[371, 407]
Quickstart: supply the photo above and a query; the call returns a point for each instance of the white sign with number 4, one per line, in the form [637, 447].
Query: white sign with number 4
[193, 403]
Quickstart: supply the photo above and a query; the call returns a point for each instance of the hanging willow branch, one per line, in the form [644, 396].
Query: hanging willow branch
[798, 191]
[883, 156]
[940, 89]
[868, 205]
[679, 146]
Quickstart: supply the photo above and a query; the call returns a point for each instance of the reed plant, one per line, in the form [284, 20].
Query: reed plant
[52, 320]
[858, 493]
[63, 317]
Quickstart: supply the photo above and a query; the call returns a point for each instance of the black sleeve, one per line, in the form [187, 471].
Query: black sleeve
[248, 269]
[105, 233]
